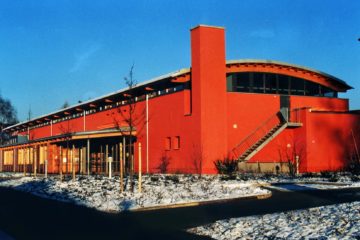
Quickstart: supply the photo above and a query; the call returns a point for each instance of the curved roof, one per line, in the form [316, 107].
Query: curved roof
[336, 80]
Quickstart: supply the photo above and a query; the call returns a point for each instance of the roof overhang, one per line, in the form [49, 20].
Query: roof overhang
[124, 131]
[270, 66]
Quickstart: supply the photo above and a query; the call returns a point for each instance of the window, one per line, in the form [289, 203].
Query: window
[284, 84]
[271, 83]
[258, 82]
[297, 86]
[176, 142]
[8, 157]
[261, 82]
[230, 82]
[21, 156]
[239, 82]
[327, 92]
[167, 143]
[312, 89]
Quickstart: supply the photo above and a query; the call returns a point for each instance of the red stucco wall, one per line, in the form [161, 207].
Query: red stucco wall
[330, 140]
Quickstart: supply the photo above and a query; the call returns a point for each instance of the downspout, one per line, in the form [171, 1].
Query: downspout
[147, 133]
[84, 121]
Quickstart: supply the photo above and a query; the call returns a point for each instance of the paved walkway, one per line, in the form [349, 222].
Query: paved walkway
[24, 216]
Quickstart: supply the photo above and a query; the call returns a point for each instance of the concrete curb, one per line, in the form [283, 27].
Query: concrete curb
[201, 203]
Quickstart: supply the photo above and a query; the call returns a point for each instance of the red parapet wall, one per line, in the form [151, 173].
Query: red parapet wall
[330, 140]
[319, 103]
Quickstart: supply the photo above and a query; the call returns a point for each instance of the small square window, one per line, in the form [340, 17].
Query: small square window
[176, 142]
[167, 143]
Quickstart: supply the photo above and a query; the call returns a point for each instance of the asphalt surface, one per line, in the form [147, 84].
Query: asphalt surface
[24, 216]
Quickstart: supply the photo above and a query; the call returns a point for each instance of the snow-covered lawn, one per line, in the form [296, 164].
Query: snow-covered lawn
[103, 193]
[341, 221]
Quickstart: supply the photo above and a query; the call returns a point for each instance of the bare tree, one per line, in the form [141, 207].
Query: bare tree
[293, 153]
[66, 132]
[129, 119]
[164, 163]
[197, 158]
[7, 117]
[29, 138]
[352, 154]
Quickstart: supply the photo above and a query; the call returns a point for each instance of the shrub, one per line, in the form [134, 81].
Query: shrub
[226, 166]
[325, 174]
[173, 178]
[268, 175]
[164, 163]
[228, 177]
[355, 178]
[292, 168]
[154, 178]
[331, 176]
[307, 175]
[354, 168]
[243, 177]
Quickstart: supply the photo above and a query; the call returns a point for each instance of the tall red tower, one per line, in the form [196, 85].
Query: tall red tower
[208, 79]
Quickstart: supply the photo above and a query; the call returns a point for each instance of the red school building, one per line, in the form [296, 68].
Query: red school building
[263, 113]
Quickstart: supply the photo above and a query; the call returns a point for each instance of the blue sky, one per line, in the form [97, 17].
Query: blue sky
[52, 51]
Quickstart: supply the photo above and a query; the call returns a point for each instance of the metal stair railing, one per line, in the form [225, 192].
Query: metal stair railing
[295, 115]
[275, 121]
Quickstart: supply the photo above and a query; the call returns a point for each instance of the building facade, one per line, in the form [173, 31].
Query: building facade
[265, 114]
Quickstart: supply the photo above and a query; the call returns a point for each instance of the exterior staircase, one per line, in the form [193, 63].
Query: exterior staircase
[262, 135]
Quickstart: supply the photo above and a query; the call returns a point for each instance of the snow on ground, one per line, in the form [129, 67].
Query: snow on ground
[8, 175]
[337, 178]
[104, 194]
[316, 181]
[340, 221]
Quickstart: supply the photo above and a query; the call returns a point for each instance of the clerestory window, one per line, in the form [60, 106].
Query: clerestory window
[259, 82]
